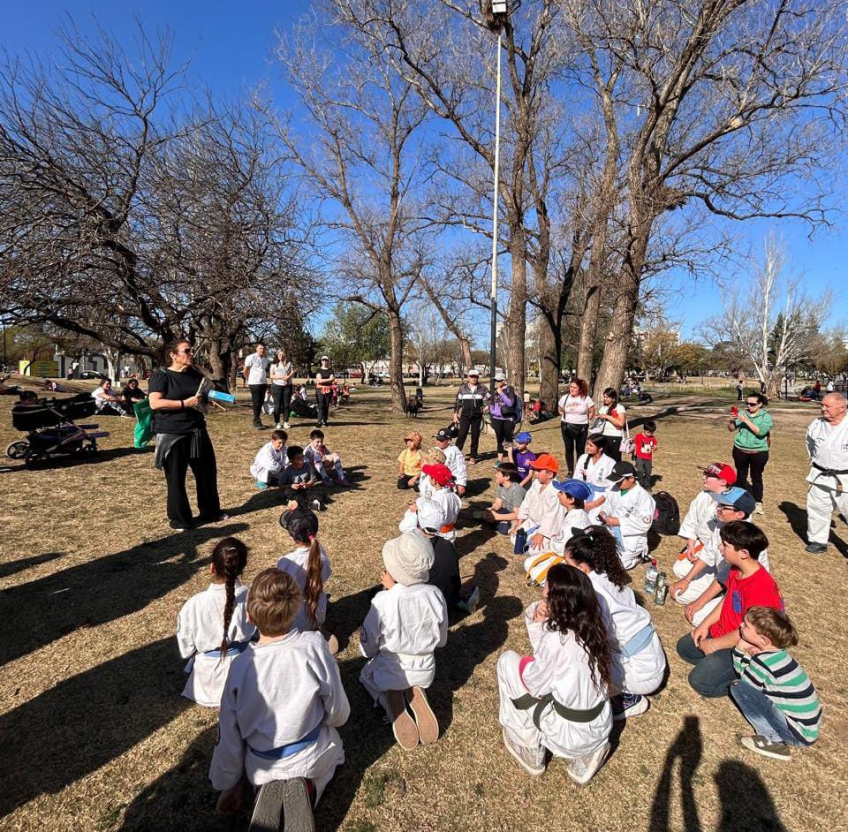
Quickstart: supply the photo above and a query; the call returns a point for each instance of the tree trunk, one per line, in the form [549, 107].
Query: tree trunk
[396, 361]
[517, 311]
[465, 346]
[588, 327]
[550, 349]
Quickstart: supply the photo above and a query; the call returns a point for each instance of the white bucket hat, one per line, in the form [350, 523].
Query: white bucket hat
[408, 559]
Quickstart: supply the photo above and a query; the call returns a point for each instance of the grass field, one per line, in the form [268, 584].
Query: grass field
[95, 736]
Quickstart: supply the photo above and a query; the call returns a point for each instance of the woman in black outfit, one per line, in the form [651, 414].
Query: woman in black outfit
[324, 379]
[182, 440]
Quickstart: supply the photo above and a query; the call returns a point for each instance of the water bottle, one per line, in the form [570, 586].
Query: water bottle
[520, 542]
[651, 577]
[662, 590]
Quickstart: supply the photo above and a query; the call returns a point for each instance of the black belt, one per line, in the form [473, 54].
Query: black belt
[527, 701]
[831, 472]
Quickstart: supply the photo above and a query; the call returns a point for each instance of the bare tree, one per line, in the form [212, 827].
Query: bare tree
[770, 317]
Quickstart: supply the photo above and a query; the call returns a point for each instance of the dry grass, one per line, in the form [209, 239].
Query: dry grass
[95, 735]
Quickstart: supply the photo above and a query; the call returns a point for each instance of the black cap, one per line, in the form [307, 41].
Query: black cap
[621, 471]
[443, 435]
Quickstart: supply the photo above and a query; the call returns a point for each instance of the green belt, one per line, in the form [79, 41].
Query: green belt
[525, 702]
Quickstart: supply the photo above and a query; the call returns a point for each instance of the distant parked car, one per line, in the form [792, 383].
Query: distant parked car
[86, 374]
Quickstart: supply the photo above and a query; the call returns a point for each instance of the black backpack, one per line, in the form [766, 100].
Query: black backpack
[666, 514]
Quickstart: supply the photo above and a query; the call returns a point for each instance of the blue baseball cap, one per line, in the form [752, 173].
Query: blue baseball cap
[574, 488]
[524, 437]
[738, 498]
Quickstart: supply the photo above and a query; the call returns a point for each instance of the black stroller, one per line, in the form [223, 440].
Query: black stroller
[50, 429]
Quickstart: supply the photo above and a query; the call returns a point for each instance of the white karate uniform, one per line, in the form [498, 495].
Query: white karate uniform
[402, 630]
[451, 506]
[541, 513]
[560, 666]
[455, 460]
[276, 694]
[643, 672]
[827, 446]
[268, 461]
[409, 523]
[635, 514]
[200, 629]
[700, 519]
[296, 564]
[701, 523]
[576, 518]
[595, 474]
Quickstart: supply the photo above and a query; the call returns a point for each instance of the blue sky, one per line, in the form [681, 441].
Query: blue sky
[230, 48]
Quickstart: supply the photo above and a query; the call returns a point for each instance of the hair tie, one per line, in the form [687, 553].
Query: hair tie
[311, 538]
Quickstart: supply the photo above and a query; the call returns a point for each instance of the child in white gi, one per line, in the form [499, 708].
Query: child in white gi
[628, 511]
[540, 515]
[282, 704]
[440, 479]
[323, 460]
[399, 636]
[213, 628]
[593, 468]
[572, 497]
[271, 461]
[557, 699]
[310, 568]
[454, 459]
[638, 658]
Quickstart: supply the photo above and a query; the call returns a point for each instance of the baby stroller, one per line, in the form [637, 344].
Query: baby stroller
[50, 429]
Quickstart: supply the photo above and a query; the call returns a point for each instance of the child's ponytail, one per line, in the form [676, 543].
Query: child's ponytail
[229, 558]
[596, 547]
[314, 581]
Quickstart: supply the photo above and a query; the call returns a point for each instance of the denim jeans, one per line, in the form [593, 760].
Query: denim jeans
[766, 719]
[713, 674]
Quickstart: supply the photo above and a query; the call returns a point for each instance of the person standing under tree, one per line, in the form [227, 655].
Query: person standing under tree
[827, 445]
[182, 441]
[256, 378]
[324, 381]
[576, 409]
[468, 412]
[503, 410]
[751, 446]
[282, 373]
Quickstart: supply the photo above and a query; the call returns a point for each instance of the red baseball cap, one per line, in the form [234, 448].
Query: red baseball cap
[545, 462]
[440, 474]
[720, 471]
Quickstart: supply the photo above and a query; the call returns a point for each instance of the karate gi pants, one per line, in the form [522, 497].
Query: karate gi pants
[821, 503]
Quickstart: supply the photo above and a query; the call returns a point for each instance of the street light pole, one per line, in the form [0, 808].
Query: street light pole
[495, 202]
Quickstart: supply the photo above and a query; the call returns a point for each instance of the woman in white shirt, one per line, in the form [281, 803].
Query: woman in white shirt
[576, 410]
[614, 418]
[282, 373]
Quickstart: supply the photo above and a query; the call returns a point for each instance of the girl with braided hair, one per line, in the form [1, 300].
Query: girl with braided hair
[310, 568]
[638, 659]
[210, 648]
[558, 698]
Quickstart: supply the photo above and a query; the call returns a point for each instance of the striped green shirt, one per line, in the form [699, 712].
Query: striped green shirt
[746, 439]
[787, 685]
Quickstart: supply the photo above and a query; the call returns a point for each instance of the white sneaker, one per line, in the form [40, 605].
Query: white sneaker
[583, 769]
[759, 509]
[533, 762]
[316, 505]
[286, 426]
[473, 600]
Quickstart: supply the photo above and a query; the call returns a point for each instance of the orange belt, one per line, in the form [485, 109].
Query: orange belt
[682, 555]
[448, 528]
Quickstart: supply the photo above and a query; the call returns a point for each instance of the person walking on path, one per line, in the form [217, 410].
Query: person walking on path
[827, 446]
[282, 373]
[182, 441]
[751, 446]
[468, 412]
[503, 410]
[324, 381]
[256, 377]
[576, 410]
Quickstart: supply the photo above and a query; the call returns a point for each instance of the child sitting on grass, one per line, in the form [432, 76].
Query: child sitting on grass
[323, 460]
[454, 459]
[399, 636]
[282, 704]
[271, 461]
[410, 461]
[299, 479]
[644, 447]
[220, 609]
[773, 692]
[510, 495]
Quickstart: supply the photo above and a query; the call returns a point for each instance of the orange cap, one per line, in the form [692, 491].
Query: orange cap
[545, 462]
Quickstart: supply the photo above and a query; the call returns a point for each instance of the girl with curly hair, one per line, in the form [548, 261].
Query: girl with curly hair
[638, 660]
[210, 648]
[558, 698]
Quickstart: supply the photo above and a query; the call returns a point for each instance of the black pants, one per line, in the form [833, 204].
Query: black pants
[474, 423]
[613, 449]
[503, 429]
[755, 463]
[205, 472]
[574, 440]
[324, 401]
[282, 395]
[404, 482]
[257, 399]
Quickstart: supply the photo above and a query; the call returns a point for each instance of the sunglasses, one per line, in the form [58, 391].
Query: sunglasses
[752, 404]
[186, 352]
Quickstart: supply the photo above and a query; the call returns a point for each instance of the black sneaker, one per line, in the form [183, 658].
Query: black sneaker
[816, 548]
[180, 527]
[760, 745]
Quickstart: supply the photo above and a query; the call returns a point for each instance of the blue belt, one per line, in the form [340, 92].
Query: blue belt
[638, 642]
[292, 748]
[232, 650]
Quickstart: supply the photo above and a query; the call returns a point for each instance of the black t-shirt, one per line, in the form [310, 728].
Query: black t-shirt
[320, 375]
[176, 386]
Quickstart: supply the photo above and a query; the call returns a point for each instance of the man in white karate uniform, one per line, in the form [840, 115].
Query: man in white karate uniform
[827, 446]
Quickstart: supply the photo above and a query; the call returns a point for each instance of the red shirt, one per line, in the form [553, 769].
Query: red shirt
[645, 445]
[758, 590]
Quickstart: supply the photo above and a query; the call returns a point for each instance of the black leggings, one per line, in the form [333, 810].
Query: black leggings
[573, 441]
[503, 429]
[756, 463]
[282, 395]
[474, 423]
[613, 448]
[205, 471]
[324, 400]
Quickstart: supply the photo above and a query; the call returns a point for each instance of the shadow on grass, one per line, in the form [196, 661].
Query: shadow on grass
[797, 518]
[687, 748]
[745, 800]
[102, 590]
[73, 460]
[87, 721]
[15, 566]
